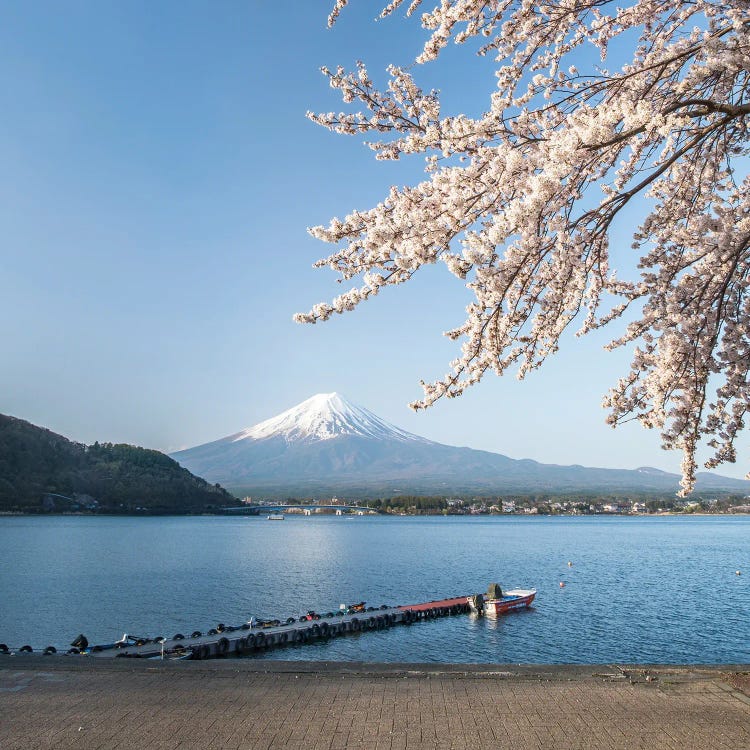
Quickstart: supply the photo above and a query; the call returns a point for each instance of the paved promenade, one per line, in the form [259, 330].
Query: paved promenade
[63, 702]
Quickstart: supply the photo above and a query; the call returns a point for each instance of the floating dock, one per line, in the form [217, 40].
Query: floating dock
[246, 640]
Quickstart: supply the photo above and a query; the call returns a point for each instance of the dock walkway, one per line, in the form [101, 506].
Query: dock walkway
[245, 640]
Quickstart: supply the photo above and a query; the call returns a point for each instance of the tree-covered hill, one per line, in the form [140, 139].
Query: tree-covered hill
[40, 470]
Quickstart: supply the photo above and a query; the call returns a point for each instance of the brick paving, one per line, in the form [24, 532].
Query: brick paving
[64, 702]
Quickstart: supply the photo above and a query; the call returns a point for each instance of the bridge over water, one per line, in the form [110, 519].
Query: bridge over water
[255, 510]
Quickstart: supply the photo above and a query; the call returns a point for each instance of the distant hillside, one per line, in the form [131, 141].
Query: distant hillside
[40, 470]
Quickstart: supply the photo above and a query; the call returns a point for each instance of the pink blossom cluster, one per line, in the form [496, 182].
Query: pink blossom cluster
[519, 202]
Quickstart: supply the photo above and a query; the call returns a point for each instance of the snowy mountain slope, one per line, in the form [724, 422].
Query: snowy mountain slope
[327, 445]
[323, 417]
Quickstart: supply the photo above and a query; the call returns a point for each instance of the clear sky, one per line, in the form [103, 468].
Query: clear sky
[158, 175]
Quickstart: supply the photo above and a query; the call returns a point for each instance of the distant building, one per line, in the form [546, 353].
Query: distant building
[86, 501]
[620, 507]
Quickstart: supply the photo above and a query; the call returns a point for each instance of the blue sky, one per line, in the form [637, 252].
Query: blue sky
[158, 178]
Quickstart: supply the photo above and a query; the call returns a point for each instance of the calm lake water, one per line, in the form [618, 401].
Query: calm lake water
[639, 590]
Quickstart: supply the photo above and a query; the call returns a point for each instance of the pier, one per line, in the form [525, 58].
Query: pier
[245, 639]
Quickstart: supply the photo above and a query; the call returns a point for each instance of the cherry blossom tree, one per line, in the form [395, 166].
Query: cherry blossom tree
[519, 202]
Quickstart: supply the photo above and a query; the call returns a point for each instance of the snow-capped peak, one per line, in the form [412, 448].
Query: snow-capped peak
[323, 417]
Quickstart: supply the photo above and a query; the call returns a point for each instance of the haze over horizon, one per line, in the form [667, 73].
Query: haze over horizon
[159, 178]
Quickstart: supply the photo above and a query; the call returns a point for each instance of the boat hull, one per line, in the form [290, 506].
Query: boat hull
[514, 599]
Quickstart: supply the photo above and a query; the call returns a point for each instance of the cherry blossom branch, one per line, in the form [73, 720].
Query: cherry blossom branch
[520, 202]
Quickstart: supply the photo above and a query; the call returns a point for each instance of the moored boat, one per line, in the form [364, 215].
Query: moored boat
[276, 517]
[497, 602]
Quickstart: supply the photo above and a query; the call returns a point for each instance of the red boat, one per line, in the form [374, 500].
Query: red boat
[497, 602]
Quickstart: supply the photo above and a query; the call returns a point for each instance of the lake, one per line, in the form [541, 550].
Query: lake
[641, 589]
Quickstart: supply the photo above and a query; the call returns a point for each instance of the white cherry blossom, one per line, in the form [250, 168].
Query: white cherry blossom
[519, 202]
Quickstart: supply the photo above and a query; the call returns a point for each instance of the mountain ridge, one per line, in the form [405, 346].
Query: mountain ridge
[328, 445]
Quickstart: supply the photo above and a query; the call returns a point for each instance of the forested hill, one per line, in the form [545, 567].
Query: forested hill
[40, 470]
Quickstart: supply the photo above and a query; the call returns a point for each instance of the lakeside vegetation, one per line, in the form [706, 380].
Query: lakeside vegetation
[41, 471]
[418, 505]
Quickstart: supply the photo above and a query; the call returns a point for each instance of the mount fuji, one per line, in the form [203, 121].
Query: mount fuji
[327, 445]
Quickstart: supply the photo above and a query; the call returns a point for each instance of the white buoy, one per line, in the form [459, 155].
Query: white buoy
[570, 564]
[562, 585]
[738, 572]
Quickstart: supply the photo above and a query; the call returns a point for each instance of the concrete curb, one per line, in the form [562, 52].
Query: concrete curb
[544, 672]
